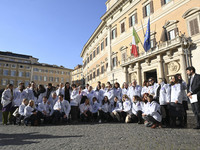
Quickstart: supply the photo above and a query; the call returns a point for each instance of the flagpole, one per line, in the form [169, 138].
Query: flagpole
[139, 38]
[142, 27]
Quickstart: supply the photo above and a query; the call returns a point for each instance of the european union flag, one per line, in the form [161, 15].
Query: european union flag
[147, 43]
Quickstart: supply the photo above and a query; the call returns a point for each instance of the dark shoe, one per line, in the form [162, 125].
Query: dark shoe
[154, 126]
[196, 127]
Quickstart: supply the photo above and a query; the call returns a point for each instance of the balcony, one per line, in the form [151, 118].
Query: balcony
[160, 48]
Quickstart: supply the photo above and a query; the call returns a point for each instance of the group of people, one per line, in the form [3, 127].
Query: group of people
[154, 104]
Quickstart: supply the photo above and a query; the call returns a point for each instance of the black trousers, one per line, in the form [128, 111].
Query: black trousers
[86, 118]
[57, 116]
[196, 111]
[104, 116]
[33, 118]
[166, 119]
[74, 113]
[137, 118]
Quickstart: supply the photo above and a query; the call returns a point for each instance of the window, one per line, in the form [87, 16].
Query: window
[41, 78]
[4, 82]
[12, 82]
[35, 69]
[194, 27]
[20, 73]
[106, 41]
[163, 2]
[102, 45]
[51, 79]
[90, 57]
[148, 9]
[106, 65]
[90, 76]
[62, 80]
[5, 72]
[62, 72]
[114, 62]
[13, 73]
[133, 20]
[102, 69]
[114, 33]
[6, 65]
[94, 54]
[35, 78]
[21, 66]
[171, 34]
[97, 72]
[93, 75]
[28, 67]
[98, 50]
[27, 74]
[122, 27]
[50, 71]
[57, 79]
[88, 60]
[45, 78]
[13, 66]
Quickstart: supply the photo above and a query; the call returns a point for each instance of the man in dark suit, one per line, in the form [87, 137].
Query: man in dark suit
[193, 87]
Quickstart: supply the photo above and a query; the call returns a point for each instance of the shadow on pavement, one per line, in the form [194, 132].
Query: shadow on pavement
[27, 138]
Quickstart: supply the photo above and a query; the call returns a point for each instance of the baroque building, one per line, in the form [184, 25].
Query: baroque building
[175, 41]
[16, 68]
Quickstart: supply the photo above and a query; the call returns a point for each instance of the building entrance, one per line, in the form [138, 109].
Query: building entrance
[149, 74]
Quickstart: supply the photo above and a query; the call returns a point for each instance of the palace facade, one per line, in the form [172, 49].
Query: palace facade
[175, 41]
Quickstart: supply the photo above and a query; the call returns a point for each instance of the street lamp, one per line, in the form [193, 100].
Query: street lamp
[186, 42]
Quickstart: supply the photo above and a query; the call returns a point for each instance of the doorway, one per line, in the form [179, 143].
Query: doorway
[151, 73]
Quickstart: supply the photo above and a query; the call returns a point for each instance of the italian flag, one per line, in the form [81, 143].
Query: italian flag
[135, 41]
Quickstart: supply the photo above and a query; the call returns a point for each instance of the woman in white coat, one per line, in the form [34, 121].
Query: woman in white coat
[104, 110]
[86, 111]
[75, 102]
[152, 117]
[163, 95]
[176, 109]
[109, 93]
[126, 109]
[117, 91]
[117, 109]
[6, 101]
[30, 114]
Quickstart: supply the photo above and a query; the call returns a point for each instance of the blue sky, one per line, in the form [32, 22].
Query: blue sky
[54, 31]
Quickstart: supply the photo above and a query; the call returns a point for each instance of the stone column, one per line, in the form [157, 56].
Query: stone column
[182, 64]
[160, 66]
[126, 73]
[139, 77]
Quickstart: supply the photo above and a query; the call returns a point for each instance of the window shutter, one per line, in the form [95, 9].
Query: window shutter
[144, 12]
[154, 42]
[191, 27]
[151, 7]
[196, 26]
[162, 2]
[116, 32]
[136, 19]
[176, 32]
[168, 36]
[130, 21]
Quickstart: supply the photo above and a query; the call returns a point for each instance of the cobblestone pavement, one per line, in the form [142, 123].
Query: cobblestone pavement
[98, 136]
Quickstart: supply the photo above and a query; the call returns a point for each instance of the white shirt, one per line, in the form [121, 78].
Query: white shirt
[176, 93]
[133, 91]
[63, 106]
[144, 90]
[75, 98]
[84, 107]
[127, 106]
[28, 111]
[110, 94]
[19, 96]
[118, 107]
[136, 106]
[154, 111]
[90, 95]
[21, 109]
[106, 107]
[6, 97]
[95, 107]
[45, 107]
[118, 93]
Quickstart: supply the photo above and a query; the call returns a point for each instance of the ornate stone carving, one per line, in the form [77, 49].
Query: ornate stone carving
[174, 66]
[133, 76]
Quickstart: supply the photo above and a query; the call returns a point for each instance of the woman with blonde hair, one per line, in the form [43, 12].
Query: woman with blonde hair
[126, 109]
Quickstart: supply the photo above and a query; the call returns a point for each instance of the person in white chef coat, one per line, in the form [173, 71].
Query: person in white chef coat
[134, 89]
